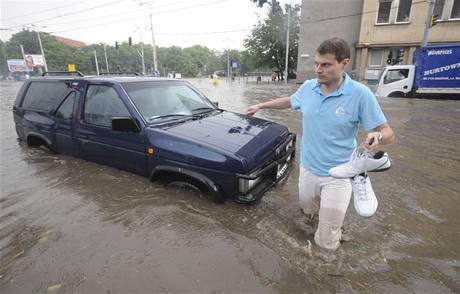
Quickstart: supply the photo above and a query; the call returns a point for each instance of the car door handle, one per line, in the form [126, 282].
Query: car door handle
[83, 137]
[405, 87]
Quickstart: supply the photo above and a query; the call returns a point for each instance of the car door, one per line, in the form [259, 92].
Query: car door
[63, 128]
[96, 139]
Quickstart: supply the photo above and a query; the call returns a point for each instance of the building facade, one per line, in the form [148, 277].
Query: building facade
[391, 30]
[324, 19]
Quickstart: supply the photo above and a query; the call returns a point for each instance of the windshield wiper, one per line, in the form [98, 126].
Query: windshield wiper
[202, 113]
[166, 115]
[203, 108]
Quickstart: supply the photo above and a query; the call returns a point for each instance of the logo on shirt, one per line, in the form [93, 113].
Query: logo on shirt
[340, 111]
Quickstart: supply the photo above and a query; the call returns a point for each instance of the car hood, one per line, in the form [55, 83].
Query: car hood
[249, 138]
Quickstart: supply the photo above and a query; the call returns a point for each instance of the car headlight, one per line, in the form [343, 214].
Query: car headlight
[246, 185]
[289, 145]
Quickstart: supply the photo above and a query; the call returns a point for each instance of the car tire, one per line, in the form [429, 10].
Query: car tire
[189, 184]
[185, 185]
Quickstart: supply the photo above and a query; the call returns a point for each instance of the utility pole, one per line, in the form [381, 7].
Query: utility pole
[427, 23]
[22, 51]
[142, 57]
[41, 48]
[106, 60]
[142, 52]
[287, 44]
[95, 59]
[228, 61]
[155, 65]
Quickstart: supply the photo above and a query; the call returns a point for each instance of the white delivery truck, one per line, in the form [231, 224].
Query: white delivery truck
[435, 73]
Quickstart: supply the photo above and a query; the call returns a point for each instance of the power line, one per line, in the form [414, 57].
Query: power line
[110, 15]
[70, 13]
[146, 15]
[203, 33]
[40, 11]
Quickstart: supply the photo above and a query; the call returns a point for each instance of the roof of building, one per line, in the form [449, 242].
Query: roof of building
[70, 42]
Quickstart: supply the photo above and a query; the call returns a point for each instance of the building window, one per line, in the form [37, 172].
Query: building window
[455, 13]
[447, 9]
[404, 8]
[375, 57]
[383, 15]
[438, 8]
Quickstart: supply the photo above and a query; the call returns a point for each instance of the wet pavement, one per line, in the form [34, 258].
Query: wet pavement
[68, 225]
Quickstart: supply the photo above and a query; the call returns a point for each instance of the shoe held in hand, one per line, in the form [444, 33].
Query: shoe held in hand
[361, 163]
[363, 196]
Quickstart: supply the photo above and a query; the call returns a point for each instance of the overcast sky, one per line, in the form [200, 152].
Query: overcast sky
[212, 23]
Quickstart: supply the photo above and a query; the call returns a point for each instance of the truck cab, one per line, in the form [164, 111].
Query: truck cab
[396, 81]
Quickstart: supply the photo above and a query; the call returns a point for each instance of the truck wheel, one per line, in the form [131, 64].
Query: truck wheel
[397, 94]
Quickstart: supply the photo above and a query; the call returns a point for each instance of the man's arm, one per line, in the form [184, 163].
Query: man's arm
[388, 136]
[279, 103]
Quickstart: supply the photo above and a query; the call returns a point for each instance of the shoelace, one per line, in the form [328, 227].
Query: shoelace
[356, 155]
[361, 189]
[362, 193]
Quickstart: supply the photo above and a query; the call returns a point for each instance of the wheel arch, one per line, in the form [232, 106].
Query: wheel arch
[37, 139]
[171, 172]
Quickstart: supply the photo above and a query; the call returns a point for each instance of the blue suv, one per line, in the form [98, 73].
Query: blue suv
[164, 129]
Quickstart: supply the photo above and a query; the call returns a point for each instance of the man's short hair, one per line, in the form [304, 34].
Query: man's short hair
[337, 46]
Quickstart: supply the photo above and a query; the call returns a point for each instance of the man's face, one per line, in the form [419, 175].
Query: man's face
[328, 69]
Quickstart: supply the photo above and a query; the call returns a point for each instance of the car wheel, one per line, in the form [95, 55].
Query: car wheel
[184, 185]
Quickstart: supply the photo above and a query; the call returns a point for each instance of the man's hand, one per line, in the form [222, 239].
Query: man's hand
[252, 110]
[372, 141]
[279, 103]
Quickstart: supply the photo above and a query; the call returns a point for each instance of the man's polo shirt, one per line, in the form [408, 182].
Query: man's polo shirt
[331, 122]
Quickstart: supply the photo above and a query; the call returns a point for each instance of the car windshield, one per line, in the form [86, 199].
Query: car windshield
[161, 101]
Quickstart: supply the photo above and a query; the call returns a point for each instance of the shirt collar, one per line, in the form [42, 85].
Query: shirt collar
[345, 87]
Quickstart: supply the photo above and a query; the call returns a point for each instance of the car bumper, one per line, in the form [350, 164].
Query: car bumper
[271, 174]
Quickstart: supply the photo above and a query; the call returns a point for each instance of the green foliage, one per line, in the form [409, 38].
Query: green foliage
[266, 46]
[190, 62]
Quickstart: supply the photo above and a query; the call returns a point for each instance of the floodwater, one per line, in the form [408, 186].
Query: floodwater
[68, 225]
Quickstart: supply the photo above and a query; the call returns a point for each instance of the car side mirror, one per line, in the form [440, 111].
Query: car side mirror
[216, 103]
[124, 124]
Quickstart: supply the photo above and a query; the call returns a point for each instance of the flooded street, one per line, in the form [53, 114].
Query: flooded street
[68, 225]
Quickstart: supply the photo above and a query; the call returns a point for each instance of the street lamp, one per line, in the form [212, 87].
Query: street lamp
[155, 66]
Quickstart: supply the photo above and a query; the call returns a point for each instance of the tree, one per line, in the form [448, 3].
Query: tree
[267, 42]
[3, 64]
[192, 61]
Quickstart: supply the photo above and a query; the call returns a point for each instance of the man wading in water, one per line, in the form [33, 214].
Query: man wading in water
[333, 107]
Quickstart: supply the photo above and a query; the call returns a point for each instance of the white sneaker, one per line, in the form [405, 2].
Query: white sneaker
[361, 163]
[363, 195]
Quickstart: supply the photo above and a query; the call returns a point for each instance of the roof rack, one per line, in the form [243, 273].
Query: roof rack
[119, 73]
[77, 72]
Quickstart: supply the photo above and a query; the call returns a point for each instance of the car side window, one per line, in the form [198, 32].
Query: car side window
[101, 104]
[44, 96]
[66, 109]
